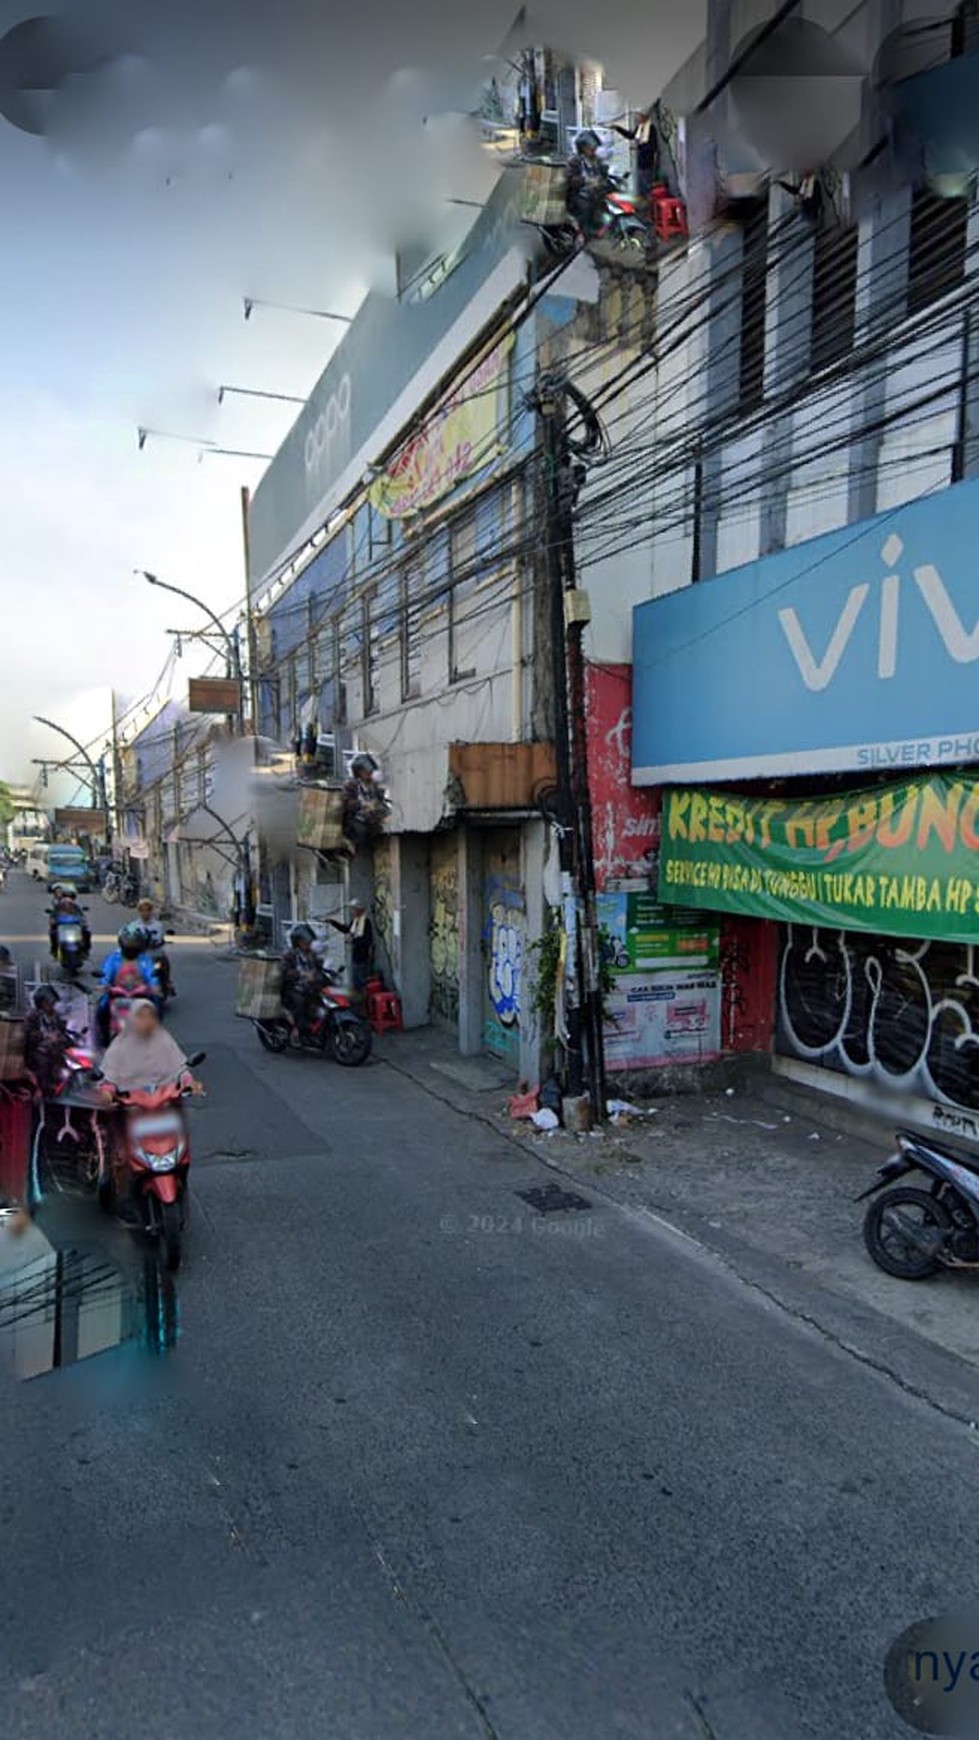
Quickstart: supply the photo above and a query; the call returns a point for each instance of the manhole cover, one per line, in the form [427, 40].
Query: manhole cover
[551, 1199]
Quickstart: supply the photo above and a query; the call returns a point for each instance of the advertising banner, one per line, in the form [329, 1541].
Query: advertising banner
[462, 435]
[643, 936]
[857, 652]
[625, 820]
[663, 1018]
[900, 860]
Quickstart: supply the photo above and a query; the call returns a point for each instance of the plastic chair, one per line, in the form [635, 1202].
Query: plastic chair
[384, 1012]
[669, 215]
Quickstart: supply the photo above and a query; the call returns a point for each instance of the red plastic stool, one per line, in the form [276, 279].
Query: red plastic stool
[384, 1012]
[669, 215]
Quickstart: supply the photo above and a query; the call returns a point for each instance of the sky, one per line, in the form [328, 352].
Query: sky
[184, 156]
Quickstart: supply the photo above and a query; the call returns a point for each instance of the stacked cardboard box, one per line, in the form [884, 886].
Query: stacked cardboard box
[259, 988]
[321, 818]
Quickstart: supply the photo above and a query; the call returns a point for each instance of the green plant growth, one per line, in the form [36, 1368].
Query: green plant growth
[546, 956]
[7, 809]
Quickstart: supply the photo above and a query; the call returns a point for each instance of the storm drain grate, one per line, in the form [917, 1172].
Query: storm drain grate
[551, 1199]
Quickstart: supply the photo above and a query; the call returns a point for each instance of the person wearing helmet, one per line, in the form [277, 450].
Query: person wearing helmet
[587, 183]
[46, 1039]
[130, 968]
[156, 937]
[65, 905]
[302, 977]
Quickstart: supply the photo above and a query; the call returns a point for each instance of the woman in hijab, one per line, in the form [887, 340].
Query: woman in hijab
[144, 1054]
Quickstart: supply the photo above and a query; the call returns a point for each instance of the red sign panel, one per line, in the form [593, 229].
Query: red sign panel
[625, 818]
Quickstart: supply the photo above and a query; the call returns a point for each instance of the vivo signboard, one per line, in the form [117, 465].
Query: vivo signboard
[858, 651]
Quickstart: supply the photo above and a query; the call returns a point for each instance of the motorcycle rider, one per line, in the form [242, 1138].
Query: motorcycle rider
[156, 937]
[130, 968]
[66, 906]
[303, 978]
[588, 183]
[46, 1039]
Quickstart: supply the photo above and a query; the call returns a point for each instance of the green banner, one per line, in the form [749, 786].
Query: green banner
[902, 860]
[643, 936]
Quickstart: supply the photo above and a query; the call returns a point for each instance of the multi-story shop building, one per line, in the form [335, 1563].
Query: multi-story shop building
[804, 703]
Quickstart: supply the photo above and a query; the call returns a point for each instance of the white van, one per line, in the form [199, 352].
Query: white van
[37, 863]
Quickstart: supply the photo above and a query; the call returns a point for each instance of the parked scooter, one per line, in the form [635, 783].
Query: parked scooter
[158, 1159]
[338, 1030]
[912, 1232]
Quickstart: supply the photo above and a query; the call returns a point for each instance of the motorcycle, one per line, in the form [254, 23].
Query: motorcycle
[116, 1003]
[161, 962]
[911, 1232]
[621, 224]
[337, 1029]
[71, 950]
[157, 1152]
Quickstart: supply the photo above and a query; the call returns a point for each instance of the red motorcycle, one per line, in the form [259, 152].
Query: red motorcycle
[157, 1151]
[337, 1030]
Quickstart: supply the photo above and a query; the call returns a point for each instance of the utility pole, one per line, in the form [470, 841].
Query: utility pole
[569, 615]
[246, 502]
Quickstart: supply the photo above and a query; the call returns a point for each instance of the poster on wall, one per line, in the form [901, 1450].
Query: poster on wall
[640, 935]
[625, 821]
[464, 434]
[902, 860]
[655, 1019]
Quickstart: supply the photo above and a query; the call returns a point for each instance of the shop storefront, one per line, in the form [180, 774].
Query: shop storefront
[812, 724]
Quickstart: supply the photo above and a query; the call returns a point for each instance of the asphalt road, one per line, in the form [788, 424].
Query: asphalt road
[424, 1464]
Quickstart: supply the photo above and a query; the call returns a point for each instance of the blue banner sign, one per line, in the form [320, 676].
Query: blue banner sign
[857, 651]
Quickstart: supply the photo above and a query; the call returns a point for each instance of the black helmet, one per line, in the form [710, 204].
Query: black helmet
[5, 955]
[589, 139]
[133, 940]
[45, 996]
[302, 933]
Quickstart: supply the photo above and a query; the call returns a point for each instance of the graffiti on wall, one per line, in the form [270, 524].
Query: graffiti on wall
[897, 1013]
[444, 935]
[625, 819]
[503, 939]
[383, 898]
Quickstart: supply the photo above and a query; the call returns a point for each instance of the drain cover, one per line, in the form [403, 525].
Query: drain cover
[551, 1199]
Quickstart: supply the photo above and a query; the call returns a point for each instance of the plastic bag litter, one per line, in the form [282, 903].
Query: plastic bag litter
[620, 1111]
[545, 1119]
[524, 1105]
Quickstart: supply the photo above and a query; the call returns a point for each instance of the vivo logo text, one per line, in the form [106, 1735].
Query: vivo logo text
[961, 644]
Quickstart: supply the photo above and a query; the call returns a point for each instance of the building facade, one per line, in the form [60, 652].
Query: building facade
[804, 720]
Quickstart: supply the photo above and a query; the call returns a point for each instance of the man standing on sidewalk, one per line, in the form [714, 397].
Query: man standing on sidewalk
[361, 934]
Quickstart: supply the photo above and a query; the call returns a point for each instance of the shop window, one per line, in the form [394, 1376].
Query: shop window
[412, 588]
[937, 247]
[834, 295]
[370, 648]
[463, 581]
[754, 278]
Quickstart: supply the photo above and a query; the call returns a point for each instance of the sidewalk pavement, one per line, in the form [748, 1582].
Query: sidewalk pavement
[768, 1191]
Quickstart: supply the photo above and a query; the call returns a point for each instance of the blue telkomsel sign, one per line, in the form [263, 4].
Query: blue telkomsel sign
[855, 651]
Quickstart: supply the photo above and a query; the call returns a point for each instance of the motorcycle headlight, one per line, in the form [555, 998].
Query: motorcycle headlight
[159, 1162]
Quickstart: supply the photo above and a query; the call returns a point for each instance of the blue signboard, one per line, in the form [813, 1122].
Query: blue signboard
[857, 651]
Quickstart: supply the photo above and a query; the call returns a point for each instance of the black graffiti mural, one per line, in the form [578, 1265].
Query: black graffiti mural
[892, 1011]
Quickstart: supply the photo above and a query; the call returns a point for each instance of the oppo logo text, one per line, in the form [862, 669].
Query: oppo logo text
[961, 644]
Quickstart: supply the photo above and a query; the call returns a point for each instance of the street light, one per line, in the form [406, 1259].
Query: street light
[100, 797]
[232, 649]
[256, 393]
[205, 447]
[250, 302]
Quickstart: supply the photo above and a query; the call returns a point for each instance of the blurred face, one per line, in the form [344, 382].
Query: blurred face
[145, 909]
[144, 1021]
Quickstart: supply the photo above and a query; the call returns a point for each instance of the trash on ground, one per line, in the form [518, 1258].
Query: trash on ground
[524, 1105]
[625, 1109]
[545, 1119]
